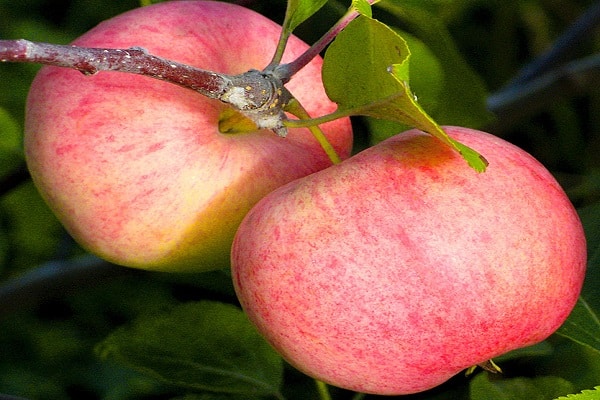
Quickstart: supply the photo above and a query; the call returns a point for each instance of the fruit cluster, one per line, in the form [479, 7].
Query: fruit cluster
[387, 273]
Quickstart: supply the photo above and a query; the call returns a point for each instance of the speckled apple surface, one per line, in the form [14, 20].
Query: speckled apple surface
[136, 169]
[398, 268]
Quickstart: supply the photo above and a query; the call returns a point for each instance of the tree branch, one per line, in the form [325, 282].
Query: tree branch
[547, 77]
[514, 103]
[285, 71]
[562, 47]
[260, 96]
[53, 280]
[134, 60]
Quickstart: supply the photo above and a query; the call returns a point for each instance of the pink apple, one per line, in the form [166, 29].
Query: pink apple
[398, 268]
[136, 168]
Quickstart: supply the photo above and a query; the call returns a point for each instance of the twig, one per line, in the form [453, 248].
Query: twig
[284, 71]
[53, 280]
[259, 96]
[516, 102]
[561, 48]
[134, 60]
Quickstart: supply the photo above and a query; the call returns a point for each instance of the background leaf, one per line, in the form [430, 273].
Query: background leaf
[582, 326]
[487, 387]
[10, 143]
[204, 346]
[363, 7]
[461, 86]
[590, 217]
[299, 11]
[584, 395]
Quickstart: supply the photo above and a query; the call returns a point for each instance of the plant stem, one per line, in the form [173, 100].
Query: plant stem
[308, 122]
[259, 96]
[295, 108]
[562, 47]
[281, 44]
[513, 103]
[286, 71]
[55, 279]
[323, 390]
[134, 60]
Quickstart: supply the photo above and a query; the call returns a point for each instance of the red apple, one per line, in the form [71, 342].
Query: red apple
[396, 269]
[136, 168]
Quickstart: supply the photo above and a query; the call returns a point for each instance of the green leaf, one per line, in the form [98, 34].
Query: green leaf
[10, 132]
[582, 326]
[487, 387]
[204, 346]
[363, 7]
[34, 231]
[427, 80]
[584, 395]
[11, 152]
[461, 86]
[366, 71]
[213, 396]
[299, 11]
[537, 350]
[590, 215]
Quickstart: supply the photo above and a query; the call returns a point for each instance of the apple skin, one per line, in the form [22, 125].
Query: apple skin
[136, 168]
[393, 271]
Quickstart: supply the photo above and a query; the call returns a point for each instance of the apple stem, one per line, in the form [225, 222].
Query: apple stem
[286, 71]
[276, 60]
[295, 108]
[260, 96]
[323, 390]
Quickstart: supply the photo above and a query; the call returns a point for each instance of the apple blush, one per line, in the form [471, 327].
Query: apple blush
[400, 267]
[137, 169]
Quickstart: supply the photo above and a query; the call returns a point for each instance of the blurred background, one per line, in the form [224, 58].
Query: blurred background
[57, 303]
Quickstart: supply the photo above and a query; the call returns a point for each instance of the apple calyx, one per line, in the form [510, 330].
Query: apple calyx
[260, 96]
[489, 366]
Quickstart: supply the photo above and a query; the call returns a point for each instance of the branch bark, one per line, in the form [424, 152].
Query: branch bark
[135, 60]
[55, 279]
[562, 47]
[260, 96]
[516, 102]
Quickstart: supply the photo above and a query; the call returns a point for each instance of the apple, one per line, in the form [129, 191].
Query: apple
[396, 269]
[137, 170]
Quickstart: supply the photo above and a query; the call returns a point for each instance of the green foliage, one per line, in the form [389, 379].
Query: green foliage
[590, 216]
[10, 143]
[582, 326]
[376, 82]
[460, 85]
[362, 7]
[299, 11]
[33, 234]
[486, 387]
[204, 346]
[584, 395]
